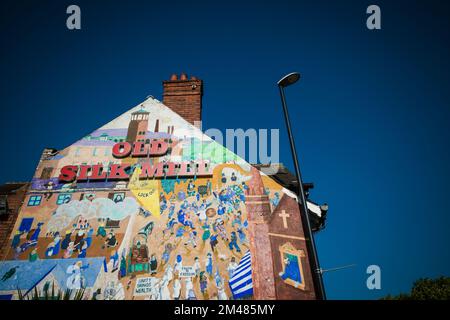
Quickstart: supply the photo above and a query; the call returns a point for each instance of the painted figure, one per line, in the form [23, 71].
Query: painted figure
[213, 242]
[232, 267]
[89, 237]
[111, 240]
[33, 256]
[66, 240]
[202, 212]
[123, 265]
[49, 250]
[164, 290]
[209, 264]
[291, 270]
[221, 209]
[192, 239]
[69, 251]
[206, 232]
[242, 236]
[155, 292]
[57, 243]
[178, 265]
[82, 249]
[114, 259]
[191, 188]
[221, 294]
[237, 219]
[101, 231]
[168, 273]
[34, 234]
[78, 238]
[189, 290]
[276, 199]
[171, 211]
[166, 254]
[221, 229]
[233, 242]
[196, 266]
[180, 232]
[176, 289]
[181, 195]
[170, 224]
[75, 280]
[153, 264]
[16, 240]
[203, 282]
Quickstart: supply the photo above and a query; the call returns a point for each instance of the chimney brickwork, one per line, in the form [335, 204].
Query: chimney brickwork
[184, 96]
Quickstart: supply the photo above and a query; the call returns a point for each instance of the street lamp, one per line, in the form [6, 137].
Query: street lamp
[287, 80]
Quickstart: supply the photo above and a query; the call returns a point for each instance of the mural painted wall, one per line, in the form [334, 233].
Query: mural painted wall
[157, 238]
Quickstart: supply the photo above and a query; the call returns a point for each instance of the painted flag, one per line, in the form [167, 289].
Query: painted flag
[241, 284]
[146, 192]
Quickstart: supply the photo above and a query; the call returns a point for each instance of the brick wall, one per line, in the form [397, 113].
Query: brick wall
[15, 200]
[184, 96]
[291, 233]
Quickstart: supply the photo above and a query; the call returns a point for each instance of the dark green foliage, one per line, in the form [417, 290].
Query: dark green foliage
[426, 289]
[44, 295]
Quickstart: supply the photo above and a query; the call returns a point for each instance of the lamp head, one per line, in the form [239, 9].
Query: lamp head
[289, 79]
[324, 208]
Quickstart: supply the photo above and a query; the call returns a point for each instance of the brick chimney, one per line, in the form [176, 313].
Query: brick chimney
[184, 96]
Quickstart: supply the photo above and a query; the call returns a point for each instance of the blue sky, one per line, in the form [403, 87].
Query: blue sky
[370, 114]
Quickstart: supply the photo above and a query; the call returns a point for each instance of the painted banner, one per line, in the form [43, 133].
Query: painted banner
[146, 192]
[187, 272]
[144, 286]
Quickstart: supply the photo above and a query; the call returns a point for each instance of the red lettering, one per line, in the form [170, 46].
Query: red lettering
[117, 172]
[149, 170]
[97, 172]
[140, 149]
[68, 173]
[83, 174]
[158, 148]
[121, 150]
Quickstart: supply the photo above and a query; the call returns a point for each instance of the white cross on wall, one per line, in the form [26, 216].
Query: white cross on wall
[284, 216]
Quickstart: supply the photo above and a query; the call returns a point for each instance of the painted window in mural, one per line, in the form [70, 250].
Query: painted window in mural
[292, 273]
[63, 198]
[87, 196]
[117, 196]
[34, 201]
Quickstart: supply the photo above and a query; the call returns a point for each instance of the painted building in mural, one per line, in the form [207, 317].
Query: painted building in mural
[114, 217]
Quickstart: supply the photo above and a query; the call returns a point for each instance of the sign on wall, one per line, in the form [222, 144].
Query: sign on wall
[144, 286]
[187, 272]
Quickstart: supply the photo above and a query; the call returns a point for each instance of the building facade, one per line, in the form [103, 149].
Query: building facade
[148, 207]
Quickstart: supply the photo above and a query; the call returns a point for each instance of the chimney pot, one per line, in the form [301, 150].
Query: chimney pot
[173, 77]
[183, 76]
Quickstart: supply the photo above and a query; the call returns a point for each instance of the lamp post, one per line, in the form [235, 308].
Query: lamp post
[287, 80]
